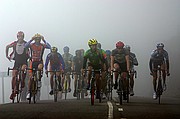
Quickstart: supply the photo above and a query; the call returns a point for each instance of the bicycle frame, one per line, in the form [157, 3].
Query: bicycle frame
[34, 85]
[93, 85]
[56, 84]
[121, 88]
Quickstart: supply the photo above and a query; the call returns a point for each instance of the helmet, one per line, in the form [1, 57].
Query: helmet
[37, 36]
[78, 52]
[99, 45]
[66, 49]
[127, 47]
[108, 52]
[119, 44]
[20, 33]
[54, 49]
[160, 45]
[92, 42]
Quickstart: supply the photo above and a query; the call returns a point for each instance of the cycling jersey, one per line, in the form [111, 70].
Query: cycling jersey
[78, 63]
[56, 61]
[68, 59]
[96, 58]
[159, 58]
[37, 50]
[119, 55]
[133, 60]
[20, 54]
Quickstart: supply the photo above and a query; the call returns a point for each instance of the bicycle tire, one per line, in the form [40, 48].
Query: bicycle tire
[127, 93]
[55, 90]
[92, 92]
[65, 88]
[120, 91]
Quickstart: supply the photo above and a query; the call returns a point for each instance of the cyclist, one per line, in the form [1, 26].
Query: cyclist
[108, 55]
[96, 61]
[20, 55]
[77, 66]
[68, 59]
[159, 57]
[133, 62]
[56, 63]
[120, 61]
[37, 51]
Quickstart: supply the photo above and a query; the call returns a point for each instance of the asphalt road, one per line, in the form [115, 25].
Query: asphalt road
[137, 108]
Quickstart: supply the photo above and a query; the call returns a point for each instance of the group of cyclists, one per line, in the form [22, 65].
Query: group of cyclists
[95, 58]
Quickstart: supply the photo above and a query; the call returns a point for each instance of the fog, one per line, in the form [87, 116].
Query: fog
[139, 23]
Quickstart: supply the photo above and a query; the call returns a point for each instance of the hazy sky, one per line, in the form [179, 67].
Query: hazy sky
[138, 23]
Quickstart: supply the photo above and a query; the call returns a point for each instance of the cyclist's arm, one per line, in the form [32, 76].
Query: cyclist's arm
[62, 62]
[112, 62]
[27, 45]
[47, 62]
[46, 44]
[166, 57]
[128, 63]
[150, 64]
[84, 62]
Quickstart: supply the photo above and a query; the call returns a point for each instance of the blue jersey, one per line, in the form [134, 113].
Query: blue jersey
[56, 61]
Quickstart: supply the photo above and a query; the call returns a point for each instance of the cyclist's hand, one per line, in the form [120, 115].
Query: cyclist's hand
[33, 38]
[42, 37]
[168, 74]
[82, 71]
[9, 58]
[151, 74]
[46, 72]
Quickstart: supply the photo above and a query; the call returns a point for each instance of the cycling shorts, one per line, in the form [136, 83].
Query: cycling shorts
[122, 66]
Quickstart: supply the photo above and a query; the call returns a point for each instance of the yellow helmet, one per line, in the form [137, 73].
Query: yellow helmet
[92, 42]
[54, 49]
[37, 35]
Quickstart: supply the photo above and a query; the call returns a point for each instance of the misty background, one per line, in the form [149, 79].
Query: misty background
[139, 23]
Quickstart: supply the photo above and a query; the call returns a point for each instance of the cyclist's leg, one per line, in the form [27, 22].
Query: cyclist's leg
[69, 81]
[89, 77]
[116, 67]
[131, 83]
[104, 82]
[154, 83]
[51, 83]
[163, 76]
[58, 74]
[75, 84]
[29, 85]
[24, 66]
[98, 85]
[13, 84]
[40, 68]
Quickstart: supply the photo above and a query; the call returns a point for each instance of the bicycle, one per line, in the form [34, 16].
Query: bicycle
[19, 84]
[66, 85]
[57, 84]
[80, 91]
[34, 84]
[93, 85]
[123, 88]
[159, 89]
[109, 86]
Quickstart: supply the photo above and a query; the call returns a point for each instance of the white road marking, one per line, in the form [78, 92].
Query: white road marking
[110, 112]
